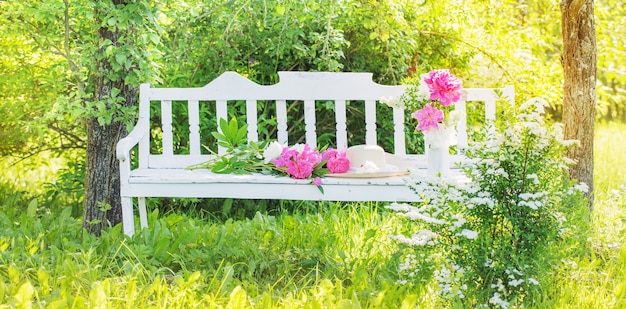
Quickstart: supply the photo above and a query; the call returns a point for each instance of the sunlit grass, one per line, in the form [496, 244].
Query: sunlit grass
[609, 158]
[594, 275]
[30, 173]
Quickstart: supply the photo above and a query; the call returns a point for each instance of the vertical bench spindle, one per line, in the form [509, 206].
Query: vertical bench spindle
[194, 127]
[370, 122]
[166, 127]
[281, 122]
[221, 112]
[341, 127]
[252, 120]
[309, 123]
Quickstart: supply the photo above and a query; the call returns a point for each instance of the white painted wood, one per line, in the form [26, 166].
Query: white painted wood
[143, 214]
[142, 130]
[252, 119]
[128, 220]
[370, 122]
[399, 138]
[341, 126]
[309, 123]
[194, 127]
[166, 127]
[281, 121]
[164, 174]
[461, 127]
[508, 94]
[221, 112]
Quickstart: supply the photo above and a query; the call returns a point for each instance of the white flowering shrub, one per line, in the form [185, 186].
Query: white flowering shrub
[477, 238]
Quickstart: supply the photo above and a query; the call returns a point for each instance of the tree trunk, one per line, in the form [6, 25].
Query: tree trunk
[579, 85]
[102, 177]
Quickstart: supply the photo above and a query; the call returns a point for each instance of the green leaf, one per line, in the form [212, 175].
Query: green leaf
[238, 298]
[31, 211]
[280, 9]
[231, 135]
[120, 58]
[24, 295]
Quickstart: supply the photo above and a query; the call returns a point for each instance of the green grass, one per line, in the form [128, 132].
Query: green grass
[311, 255]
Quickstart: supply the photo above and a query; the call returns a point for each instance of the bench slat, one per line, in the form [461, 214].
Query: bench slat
[194, 127]
[251, 116]
[370, 122]
[221, 112]
[281, 122]
[309, 123]
[461, 127]
[341, 126]
[166, 127]
[399, 141]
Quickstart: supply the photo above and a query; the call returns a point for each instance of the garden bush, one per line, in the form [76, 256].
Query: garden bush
[479, 238]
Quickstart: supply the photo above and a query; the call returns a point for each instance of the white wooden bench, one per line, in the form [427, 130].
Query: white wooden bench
[164, 174]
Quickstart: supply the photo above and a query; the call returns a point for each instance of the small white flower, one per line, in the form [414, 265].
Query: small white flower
[272, 151]
[454, 117]
[534, 178]
[496, 300]
[421, 238]
[298, 147]
[515, 283]
[394, 102]
[582, 187]
[416, 215]
[469, 234]
[400, 207]
[533, 281]
[489, 263]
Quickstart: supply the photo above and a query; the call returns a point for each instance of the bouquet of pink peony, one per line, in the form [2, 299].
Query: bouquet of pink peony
[437, 92]
[432, 99]
[299, 161]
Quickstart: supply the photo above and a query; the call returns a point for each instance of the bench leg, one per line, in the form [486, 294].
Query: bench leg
[128, 220]
[143, 215]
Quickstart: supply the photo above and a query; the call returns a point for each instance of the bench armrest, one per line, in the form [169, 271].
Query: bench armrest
[127, 143]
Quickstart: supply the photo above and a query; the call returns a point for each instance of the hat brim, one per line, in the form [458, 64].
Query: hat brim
[396, 166]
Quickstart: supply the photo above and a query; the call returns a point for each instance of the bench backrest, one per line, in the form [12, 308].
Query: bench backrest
[307, 87]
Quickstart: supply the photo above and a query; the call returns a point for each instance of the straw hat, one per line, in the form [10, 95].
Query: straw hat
[371, 161]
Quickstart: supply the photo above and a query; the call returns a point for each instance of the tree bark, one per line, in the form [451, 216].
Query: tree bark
[102, 176]
[579, 85]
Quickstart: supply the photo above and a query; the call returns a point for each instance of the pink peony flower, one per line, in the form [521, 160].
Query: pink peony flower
[428, 118]
[317, 181]
[300, 169]
[329, 153]
[444, 86]
[299, 165]
[337, 161]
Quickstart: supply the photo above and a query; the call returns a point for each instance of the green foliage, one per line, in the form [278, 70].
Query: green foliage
[611, 75]
[29, 79]
[518, 43]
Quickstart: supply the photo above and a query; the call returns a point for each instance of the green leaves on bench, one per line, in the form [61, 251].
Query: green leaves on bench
[230, 134]
[241, 157]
